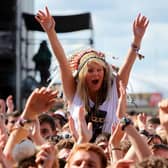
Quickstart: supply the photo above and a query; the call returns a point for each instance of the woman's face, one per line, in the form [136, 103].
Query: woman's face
[94, 76]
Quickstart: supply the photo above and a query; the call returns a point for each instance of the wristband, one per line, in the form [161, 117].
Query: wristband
[2, 116]
[23, 123]
[116, 149]
[125, 122]
[136, 49]
[144, 132]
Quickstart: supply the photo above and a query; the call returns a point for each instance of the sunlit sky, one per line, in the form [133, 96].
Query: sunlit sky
[112, 22]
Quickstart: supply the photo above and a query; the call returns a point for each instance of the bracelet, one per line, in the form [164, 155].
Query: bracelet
[23, 123]
[136, 49]
[144, 132]
[116, 149]
[125, 122]
[2, 116]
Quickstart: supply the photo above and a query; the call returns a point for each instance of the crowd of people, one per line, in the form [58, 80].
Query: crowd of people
[91, 125]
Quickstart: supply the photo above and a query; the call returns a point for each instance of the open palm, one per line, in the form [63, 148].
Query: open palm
[40, 100]
[163, 112]
[45, 19]
[139, 26]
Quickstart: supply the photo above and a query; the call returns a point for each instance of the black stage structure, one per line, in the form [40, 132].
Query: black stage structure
[8, 48]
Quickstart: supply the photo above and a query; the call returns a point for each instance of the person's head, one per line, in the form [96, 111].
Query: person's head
[160, 150]
[87, 155]
[133, 115]
[152, 162]
[154, 139]
[161, 131]
[102, 137]
[125, 145]
[47, 125]
[28, 162]
[102, 141]
[60, 118]
[24, 153]
[38, 157]
[11, 120]
[64, 147]
[93, 76]
[43, 44]
[153, 123]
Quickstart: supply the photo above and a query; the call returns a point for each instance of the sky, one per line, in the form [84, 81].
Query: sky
[112, 23]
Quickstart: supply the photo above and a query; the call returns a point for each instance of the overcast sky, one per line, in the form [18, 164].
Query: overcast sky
[112, 22]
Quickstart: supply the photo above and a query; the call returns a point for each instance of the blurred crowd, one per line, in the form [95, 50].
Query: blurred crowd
[44, 135]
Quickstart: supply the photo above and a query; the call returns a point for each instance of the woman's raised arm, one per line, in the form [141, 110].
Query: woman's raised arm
[139, 27]
[48, 24]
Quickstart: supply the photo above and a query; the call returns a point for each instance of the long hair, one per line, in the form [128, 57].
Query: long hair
[82, 88]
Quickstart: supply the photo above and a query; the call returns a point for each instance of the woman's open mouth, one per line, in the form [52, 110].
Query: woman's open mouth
[95, 81]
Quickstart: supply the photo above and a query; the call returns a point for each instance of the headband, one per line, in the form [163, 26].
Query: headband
[79, 62]
[83, 62]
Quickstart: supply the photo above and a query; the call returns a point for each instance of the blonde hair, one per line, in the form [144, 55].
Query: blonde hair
[82, 89]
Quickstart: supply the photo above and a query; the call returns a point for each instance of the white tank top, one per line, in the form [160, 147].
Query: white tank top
[109, 105]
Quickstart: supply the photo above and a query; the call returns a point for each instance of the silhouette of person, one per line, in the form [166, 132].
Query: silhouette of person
[42, 61]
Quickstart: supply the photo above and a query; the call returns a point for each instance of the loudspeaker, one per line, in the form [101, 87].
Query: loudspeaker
[8, 15]
[8, 48]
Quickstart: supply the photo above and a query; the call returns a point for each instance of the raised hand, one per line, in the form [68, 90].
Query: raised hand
[3, 130]
[46, 157]
[72, 128]
[2, 106]
[163, 112]
[45, 19]
[139, 26]
[141, 121]
[116, 136]
[163, 105]
[122, 163]
[41, 100]
[85, 131]
[35, 134]
[121, 108]
[10, 104]
[114, 143]
[3, 160]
